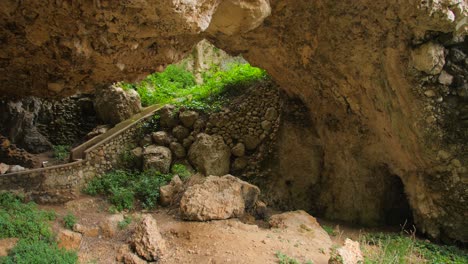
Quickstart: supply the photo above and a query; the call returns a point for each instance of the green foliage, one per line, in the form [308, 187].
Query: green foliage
[125, 222]
[69, 220]
[127, 159]
[23, 220]
[61, 152]
[31, 225]
[330, 231]
[39, 252]
[124, 188]
[178, 86]
[181, 170]
[285, 259]
[400, 248]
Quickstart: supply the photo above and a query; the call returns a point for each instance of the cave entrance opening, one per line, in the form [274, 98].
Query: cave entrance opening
[200, 81]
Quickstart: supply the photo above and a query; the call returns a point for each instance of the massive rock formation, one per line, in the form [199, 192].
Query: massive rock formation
[350, 63]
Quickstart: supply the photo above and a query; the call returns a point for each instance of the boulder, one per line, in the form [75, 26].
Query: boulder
[69, 240]
[161, 138]
[239, 163]
[168, 116]
[429, 58]
[188, 118]
[251, 142]
[147, 241]
[4, 168]
[178, 150]
[6, 245]
[350, 253]
[294, 220]
[35, 142]
[210, 155]
[180, 132]
[271, 114]
[114, 104]
[137, 155]
[218, 198]
[158, 158]
[238, 150]
[168, 192]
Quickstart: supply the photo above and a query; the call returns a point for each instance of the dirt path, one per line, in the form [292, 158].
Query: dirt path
[225, 241]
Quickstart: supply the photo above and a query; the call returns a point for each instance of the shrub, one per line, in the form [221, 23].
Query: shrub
[23, 220]
[123, 188]
[69, 220]
[31, 225]
[61, 152]
[181, 170]
[39, 252]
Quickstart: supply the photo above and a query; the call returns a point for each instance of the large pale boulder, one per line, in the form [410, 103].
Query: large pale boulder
[429, 58]
[114, 104]
[147, 241]
[210, 155]
[350, 253]
[158, 158]
[218, 198]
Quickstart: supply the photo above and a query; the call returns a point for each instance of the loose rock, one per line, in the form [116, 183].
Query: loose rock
[178, 150]
[147, 240]
[218, 198]
[210, 155]
[429, 58]
[350, 253]
[188, 118]
[158, 158]
[180, 132]
[238, 150]
[6, 245]
[161, 138]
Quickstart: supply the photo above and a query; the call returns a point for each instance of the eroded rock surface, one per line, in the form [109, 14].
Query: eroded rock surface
[114, 104]
[147, 241]
[218, 198]
[210, 155]
[349, 62]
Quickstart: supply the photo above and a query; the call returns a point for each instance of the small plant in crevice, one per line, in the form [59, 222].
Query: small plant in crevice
[330, 231]
[61, 152]
[127, 189]
[69, 220]
[181, 170]
[125, 222]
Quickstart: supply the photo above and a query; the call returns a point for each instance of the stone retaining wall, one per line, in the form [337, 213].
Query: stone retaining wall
[58, 184]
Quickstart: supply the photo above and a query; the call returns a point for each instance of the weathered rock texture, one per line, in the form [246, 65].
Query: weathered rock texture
[218, 198]
[114, 104]
[348, 61]
[36, 123]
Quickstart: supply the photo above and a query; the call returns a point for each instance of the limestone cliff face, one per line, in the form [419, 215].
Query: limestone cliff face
[348, 61]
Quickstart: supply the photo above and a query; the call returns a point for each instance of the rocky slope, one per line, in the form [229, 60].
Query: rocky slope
[349, 62]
